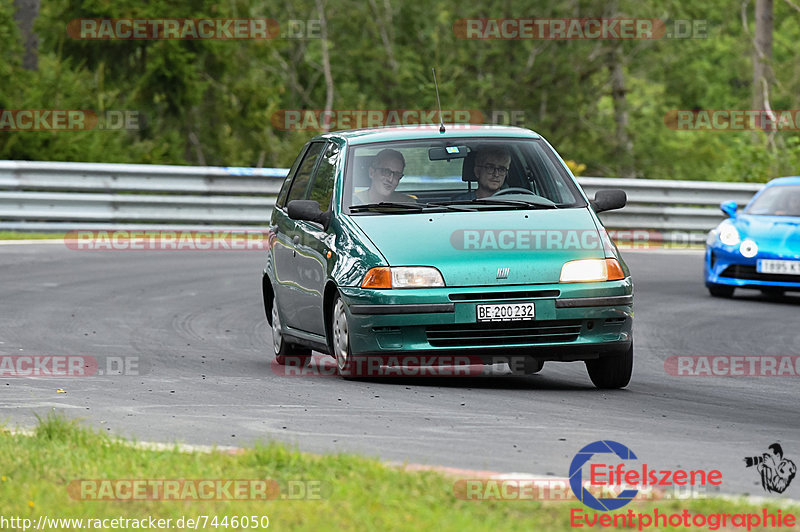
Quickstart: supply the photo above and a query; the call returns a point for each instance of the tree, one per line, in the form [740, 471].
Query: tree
[25, 15]
[762, 54]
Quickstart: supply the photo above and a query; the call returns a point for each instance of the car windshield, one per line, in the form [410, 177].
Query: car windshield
[783, 200]
[457, 175]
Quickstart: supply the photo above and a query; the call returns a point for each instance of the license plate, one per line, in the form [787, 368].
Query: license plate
[791, 267]
[507, 312]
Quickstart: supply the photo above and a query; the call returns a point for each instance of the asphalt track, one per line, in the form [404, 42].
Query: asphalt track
[194, 321]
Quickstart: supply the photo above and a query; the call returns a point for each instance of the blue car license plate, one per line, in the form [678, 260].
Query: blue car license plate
[791, 267]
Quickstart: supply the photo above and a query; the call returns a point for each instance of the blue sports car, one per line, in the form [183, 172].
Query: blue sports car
[760, 246]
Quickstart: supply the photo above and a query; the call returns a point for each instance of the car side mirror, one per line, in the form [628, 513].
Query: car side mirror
[729, 208]
[308, 210]
[606, 200]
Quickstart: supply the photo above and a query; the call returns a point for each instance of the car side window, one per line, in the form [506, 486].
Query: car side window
[322, 187]
[284, 191]
[299, 187]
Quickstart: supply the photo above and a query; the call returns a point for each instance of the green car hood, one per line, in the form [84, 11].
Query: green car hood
[473, 248]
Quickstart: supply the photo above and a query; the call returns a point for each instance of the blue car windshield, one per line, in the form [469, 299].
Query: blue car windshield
[457, 174]
[781, 200]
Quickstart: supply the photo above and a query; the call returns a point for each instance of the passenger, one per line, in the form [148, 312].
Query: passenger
[491, 168]
[385, 173]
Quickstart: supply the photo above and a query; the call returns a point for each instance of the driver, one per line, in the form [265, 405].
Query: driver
[791, 205]
[491, 169]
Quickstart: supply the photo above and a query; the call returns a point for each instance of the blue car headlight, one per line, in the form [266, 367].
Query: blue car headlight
[728, 234]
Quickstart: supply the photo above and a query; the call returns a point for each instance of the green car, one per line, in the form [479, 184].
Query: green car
[432, 246]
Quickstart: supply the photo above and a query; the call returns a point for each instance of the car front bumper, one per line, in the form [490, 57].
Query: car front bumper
[725, 265]
[572, 321]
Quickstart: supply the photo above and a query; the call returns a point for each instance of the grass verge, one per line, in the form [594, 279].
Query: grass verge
[40, 475]
[14, 235]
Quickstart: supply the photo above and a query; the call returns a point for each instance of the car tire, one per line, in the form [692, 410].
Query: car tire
[346, 362]
[525, 366]
[721, 290]
[773, 292]
[613, 371]
[286, 354]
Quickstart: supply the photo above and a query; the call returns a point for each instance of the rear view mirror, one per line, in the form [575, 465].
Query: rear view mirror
[606, 200]
[446, 153]
[729, 208]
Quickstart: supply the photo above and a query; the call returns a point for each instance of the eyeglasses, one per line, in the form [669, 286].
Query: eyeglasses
[500, 170]
[388, 172]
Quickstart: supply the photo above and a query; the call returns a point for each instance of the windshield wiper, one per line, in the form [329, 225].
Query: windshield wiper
[450, 206]
[525, 204]
[504, 202]
[387, 206]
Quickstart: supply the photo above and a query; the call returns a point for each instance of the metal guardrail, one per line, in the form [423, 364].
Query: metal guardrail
[57, 196]
[665, 205]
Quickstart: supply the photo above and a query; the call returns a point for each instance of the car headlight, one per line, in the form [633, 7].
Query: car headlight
[728, 234]
[384, 277]
[749, 248]
[591, 270]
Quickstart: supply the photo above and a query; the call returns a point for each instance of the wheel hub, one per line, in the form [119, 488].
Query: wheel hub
[277, 338]
[340, 335]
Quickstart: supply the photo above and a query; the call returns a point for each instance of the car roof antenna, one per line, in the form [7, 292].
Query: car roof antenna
[438, 102]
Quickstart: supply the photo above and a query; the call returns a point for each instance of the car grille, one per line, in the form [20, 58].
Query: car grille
[741, 271]
[503, 333]
[493, 296]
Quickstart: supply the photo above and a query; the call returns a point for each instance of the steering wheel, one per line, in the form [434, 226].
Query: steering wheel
[514, 190]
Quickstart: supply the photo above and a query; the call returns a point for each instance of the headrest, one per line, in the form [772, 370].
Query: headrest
[361, 170]
[468, 168]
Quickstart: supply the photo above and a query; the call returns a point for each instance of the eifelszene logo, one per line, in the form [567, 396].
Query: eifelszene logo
[776, 471]
[576, 475]
[627, 480]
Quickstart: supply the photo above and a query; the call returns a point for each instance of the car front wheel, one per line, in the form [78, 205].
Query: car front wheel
[285, 352]
[721, 290]
[773, 292]
[611, 372]
[346, 364]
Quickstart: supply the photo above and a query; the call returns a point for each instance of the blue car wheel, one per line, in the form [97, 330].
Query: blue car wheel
[721, 290]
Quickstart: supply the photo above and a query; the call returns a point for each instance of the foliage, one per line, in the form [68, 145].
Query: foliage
[212, 101]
